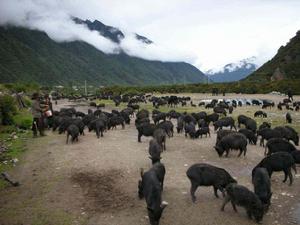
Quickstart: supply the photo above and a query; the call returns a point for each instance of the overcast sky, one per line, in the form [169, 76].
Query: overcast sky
[207, 34]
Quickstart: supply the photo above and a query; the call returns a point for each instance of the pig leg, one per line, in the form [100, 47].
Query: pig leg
[290, 177]
[139, 137]
[227, 152]
[226, 200]
[216, 191]
[286, 172]
[223, 191]
[249, 214]
[233, 206]
[241, 151]
[193, 190]
[294, 168]
[162, 185]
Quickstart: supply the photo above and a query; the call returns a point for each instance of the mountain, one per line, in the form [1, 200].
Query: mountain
[112, 33]
[233, 71]
[284, 65]
[31, 56]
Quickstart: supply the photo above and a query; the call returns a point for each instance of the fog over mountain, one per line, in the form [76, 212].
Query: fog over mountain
[233, 71]
[61, 26]
[206, 34]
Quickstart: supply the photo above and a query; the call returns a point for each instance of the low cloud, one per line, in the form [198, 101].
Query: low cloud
[207, 34]
[47, 16]
[152, 51]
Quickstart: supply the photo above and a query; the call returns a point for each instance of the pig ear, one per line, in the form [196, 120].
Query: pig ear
[164, 204]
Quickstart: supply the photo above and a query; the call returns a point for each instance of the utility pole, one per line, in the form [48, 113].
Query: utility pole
[85, 90]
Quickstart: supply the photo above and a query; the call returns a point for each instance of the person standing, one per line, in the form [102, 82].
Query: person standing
[290, 94]
[36, 110]
[47, 111]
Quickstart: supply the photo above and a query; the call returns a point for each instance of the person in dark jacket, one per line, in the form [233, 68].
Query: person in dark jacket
[37, 114]
[290, 94]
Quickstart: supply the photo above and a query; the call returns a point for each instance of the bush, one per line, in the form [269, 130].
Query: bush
[23, 120]
[27, 101]
[7, 109]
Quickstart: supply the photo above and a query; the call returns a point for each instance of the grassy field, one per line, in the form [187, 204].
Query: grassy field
[275, 117]
[14, 141]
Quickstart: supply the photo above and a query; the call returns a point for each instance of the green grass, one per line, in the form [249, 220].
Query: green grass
[23, 119]
[16, 144]
[15, 148]
[51, 217]
[104, 101]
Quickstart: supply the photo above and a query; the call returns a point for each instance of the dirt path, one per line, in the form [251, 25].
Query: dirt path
[94, 182]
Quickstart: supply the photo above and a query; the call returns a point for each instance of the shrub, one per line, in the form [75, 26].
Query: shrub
[7, 109]
[27, 101]
[23, 120]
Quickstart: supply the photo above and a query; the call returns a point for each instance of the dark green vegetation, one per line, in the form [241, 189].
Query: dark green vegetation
[12, 145]
[284, 65]
[7, 109]
[12, 139]
[31, 56]
[245, 87]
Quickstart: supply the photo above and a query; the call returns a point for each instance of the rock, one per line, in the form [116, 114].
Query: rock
[278, 75]
[15, 160]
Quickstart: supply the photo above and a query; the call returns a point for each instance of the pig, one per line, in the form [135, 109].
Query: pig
[242, 196]
[232, 141]
[203, 174]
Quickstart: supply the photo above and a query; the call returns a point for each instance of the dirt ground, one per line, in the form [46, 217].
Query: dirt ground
[94, 181]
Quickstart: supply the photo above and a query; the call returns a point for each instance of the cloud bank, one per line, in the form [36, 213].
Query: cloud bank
[207, 34]
[51, 17]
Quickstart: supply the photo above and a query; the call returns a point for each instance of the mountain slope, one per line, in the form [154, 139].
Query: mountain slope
[233, 71]
[28, 55]
[112, 33]
[284, 65]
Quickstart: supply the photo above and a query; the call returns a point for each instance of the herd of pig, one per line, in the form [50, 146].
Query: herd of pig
[280, 155]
